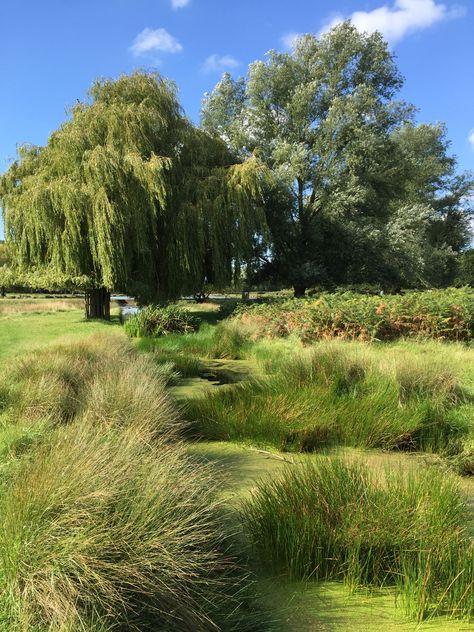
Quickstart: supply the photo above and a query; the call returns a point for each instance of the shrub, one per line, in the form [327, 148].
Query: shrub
[338, 520]
[160, 321]
[439, 314]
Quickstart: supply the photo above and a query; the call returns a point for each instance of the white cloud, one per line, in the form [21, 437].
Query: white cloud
[179, 4]
[402, 18]
[152, 40]
[471, 138]
[219, 63]
[289, 39]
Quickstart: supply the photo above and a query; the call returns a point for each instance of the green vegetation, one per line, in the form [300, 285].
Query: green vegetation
[160, 321]
[331, 394]
[360, 192]
[439, 314]
[105, 521]
[91, 460]
[336, 520]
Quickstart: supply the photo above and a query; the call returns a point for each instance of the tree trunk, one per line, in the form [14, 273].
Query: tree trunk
[300, 291]
[97, 303]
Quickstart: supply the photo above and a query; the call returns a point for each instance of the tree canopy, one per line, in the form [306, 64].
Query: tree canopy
[128, 194]
[359, 190]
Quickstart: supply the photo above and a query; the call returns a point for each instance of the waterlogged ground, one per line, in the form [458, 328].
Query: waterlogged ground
[327, 607]
[297, 606]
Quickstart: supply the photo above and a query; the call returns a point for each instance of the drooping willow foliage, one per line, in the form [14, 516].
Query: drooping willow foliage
[128, 194]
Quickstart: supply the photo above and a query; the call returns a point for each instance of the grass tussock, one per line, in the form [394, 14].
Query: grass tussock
[337, 520]
[59, 382]
[161, 321]
[106, 523]
[100, 527]
[226, 340]
[334, 394]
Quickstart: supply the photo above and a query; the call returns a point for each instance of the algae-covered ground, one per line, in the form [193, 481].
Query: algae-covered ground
[306, 606]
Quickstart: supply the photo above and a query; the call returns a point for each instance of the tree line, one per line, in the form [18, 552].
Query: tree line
[307, 172]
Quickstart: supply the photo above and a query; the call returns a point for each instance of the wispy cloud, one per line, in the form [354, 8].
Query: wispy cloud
[471, 138]
[153, 40]
[219, 63]
[179, 4]
[289, 39]
[400, 19]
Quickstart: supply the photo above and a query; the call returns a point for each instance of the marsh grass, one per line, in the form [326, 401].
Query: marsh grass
[106, 523]
[334, 394]
[226, 340]
[100, 525]
[336, 520]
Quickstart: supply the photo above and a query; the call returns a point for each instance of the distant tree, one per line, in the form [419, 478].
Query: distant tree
[128, 195]
[344, 204]
[466, 268]
[5, 268]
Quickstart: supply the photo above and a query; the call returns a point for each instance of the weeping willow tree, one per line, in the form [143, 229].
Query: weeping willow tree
[128, 195]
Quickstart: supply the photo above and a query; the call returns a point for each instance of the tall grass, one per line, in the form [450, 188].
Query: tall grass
[337, 520]
[106, 523]
[160, 321]
[226, 340]
[57, 383]
[334, 394]
[97, 525]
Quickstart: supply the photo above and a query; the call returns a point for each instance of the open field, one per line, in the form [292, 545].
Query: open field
[26, 323]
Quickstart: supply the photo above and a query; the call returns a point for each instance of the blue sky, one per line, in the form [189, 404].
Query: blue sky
[51, 51]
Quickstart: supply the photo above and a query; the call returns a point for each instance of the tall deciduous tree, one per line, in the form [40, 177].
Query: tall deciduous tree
[128, 195]
[325, 120]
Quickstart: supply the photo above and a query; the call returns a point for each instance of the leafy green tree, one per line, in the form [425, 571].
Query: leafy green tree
[128, 195]
[6, 275]
[429, 180]
[344, 206]
[466, 268]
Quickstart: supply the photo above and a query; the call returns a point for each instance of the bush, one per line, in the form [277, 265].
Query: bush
[338, 520]
[160, 321]
[439, 314]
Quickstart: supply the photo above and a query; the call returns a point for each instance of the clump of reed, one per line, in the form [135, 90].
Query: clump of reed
[338, 520]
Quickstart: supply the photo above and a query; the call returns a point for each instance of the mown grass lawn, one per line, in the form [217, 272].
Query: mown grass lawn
[22, 332]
